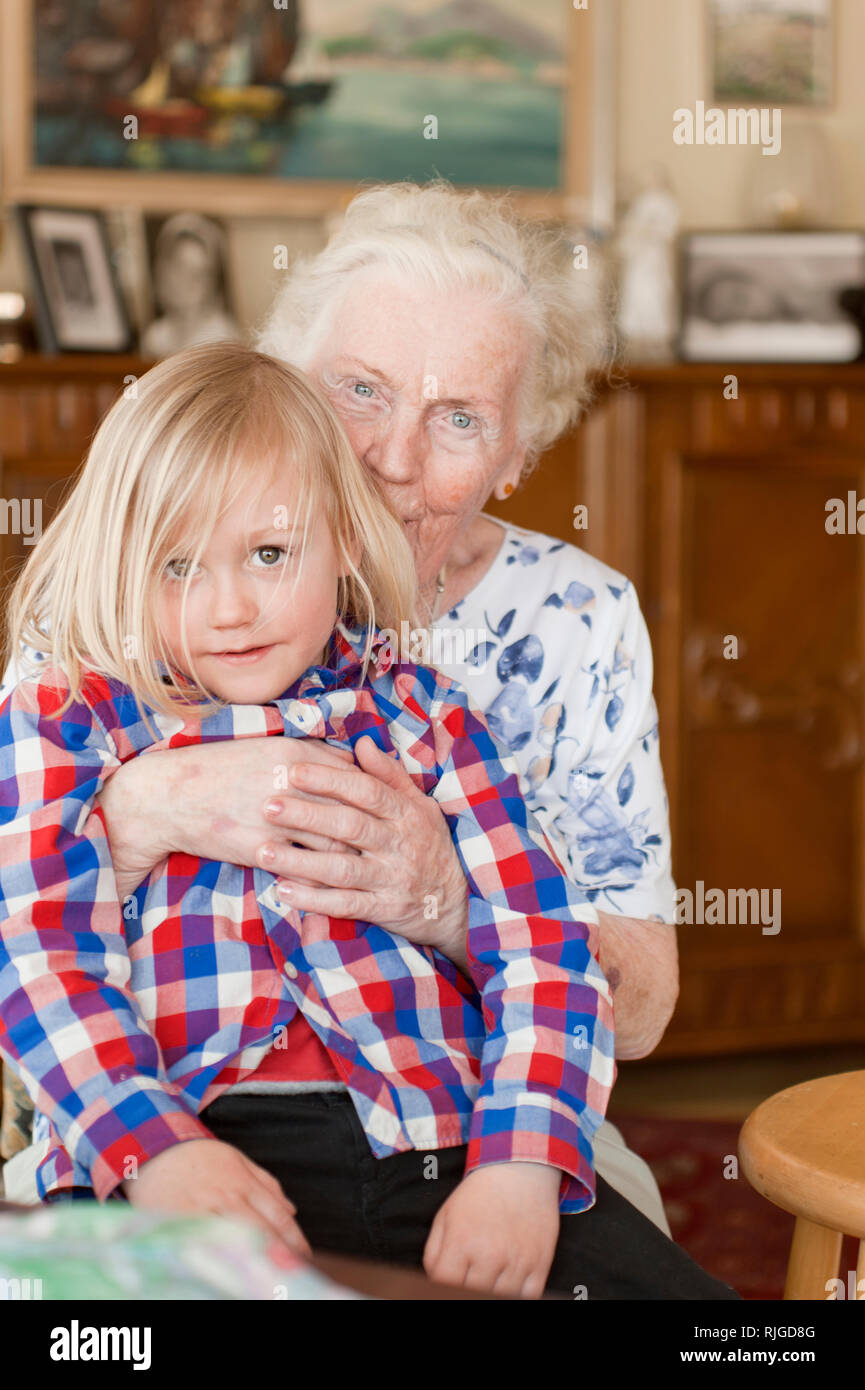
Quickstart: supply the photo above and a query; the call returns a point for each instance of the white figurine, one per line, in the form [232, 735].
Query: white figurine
[645, 245]
[188, 260]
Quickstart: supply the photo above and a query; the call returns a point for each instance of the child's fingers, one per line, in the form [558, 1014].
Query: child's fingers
[267, 1179]
[451, 1267]
[272, 1214]
[534, 1285]
[444, 1259]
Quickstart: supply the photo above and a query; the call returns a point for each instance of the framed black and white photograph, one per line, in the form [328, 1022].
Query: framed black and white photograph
[77, 299]
[769, 296]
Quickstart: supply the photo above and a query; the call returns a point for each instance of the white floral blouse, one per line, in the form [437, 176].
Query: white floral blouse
[559, 658]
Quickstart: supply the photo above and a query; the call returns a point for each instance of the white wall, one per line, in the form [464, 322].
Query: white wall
[663, 64]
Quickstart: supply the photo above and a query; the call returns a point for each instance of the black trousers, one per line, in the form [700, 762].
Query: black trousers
[350, 1202]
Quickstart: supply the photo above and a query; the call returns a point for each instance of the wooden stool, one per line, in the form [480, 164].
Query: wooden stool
[804, 1149]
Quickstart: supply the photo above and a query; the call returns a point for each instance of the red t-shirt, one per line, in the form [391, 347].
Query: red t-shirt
[301, 1056]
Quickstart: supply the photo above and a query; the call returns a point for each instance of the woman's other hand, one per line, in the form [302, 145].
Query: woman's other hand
[395, 864]
[206, 800]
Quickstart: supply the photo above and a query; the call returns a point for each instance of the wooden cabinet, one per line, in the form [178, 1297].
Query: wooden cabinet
[49, 410]
[716, 509]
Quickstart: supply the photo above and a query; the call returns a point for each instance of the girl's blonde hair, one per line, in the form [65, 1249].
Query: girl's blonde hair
[195, 432]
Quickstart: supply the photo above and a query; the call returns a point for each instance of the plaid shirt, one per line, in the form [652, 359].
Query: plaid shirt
[125, 1020]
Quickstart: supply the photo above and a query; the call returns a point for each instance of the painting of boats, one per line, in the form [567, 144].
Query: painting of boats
[342, 90]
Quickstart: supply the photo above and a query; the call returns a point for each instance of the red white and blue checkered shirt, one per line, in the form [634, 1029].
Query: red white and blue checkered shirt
[125, 1020]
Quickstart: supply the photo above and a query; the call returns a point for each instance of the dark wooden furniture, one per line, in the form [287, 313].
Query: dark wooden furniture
[716, 509]
[49, 410]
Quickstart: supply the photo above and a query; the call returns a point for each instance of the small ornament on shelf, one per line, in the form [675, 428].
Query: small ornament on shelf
[645, 249]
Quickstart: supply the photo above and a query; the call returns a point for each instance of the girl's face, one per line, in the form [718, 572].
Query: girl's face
[251, 632]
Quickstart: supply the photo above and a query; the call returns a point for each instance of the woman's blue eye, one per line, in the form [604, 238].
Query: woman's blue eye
[461, 420]
[360, 387]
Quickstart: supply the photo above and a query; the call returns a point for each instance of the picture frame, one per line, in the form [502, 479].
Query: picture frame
[78, 304]
[778, 54]
[767, 296]
[584, 84]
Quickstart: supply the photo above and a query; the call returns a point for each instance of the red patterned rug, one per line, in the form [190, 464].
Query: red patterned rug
[727, 1227]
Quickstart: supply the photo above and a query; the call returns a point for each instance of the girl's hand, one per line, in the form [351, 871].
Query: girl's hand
[498, 1230]
[395, 863]
[206, 800]
[208, 1175]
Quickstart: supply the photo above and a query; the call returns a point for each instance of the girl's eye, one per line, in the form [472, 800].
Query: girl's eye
[461, 420]
[178, 569]
[271, 555]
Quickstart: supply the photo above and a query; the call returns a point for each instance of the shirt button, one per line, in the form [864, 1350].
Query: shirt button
[290, 970]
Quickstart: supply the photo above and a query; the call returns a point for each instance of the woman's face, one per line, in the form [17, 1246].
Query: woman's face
[426, 385]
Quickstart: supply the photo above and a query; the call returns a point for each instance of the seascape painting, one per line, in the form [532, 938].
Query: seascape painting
[344, 90]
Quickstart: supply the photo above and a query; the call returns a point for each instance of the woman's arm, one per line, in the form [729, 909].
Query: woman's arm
[641, 962]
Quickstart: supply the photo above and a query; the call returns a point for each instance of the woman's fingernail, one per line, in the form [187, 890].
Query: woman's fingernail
[266, 855]
[273, 808]
[284, 891]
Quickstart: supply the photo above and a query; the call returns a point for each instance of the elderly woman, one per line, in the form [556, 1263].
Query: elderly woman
[455, 343]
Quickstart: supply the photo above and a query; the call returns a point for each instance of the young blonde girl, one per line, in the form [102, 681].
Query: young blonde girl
[199, 431]
[223, 569]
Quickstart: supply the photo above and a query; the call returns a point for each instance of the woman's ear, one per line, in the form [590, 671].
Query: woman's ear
[508, 480]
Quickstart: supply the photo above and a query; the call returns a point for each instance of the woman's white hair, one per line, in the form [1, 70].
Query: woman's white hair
[450, 240]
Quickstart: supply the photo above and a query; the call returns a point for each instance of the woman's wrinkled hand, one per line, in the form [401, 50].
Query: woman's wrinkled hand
[395, 865]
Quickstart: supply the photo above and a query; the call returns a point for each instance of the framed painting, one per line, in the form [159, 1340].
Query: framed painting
[288, 106]
[777, 53]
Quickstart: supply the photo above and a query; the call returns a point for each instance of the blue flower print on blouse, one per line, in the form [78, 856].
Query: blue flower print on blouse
[562, 668]
[611, 845]
[525, 555]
